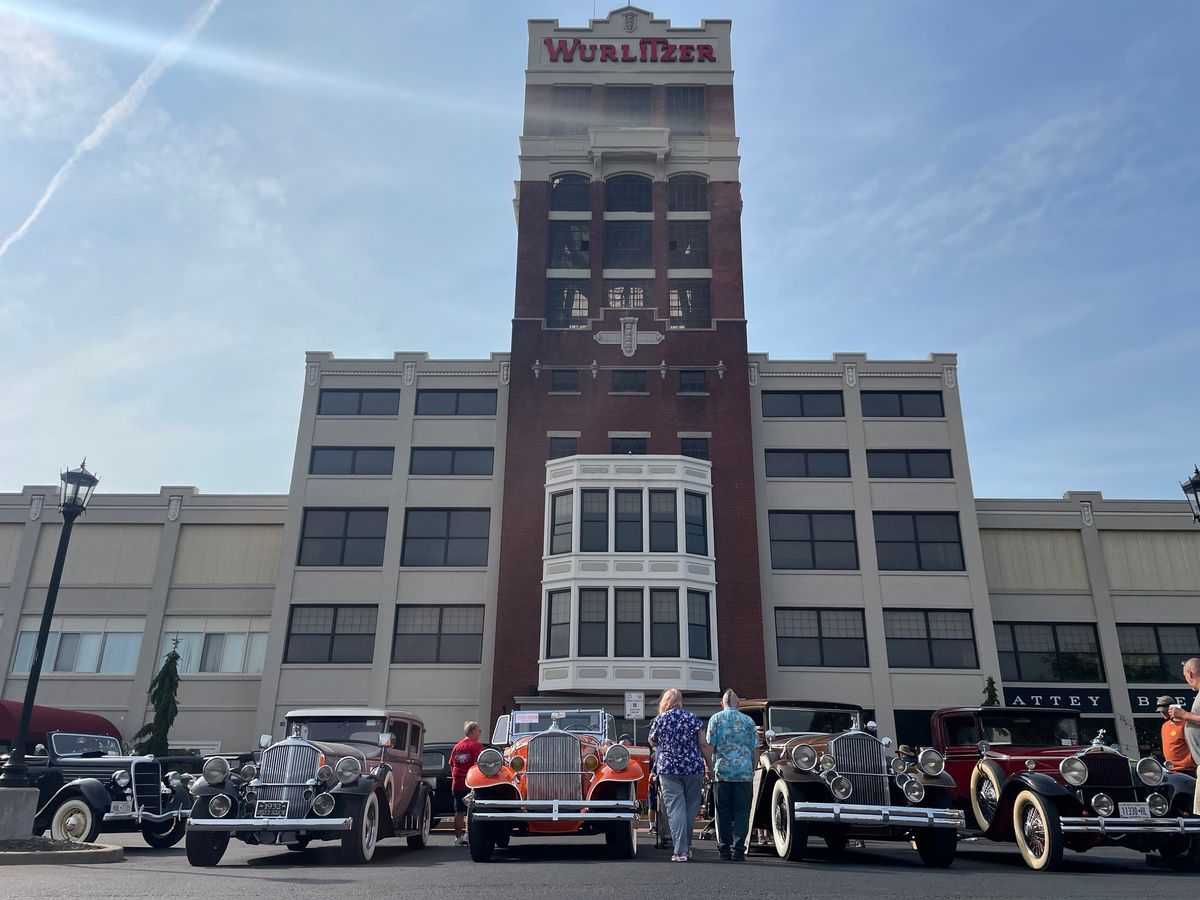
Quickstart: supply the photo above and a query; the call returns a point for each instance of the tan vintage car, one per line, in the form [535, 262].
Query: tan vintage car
[823, 773]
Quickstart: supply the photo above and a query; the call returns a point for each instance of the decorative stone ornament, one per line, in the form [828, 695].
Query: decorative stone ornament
[505, 371]
[36, 502]
[629, 337]
[631, 22]
[1085, 510]
[950, 376]
[312, 373]
[410, 373]
[174, 504]
[851, 374]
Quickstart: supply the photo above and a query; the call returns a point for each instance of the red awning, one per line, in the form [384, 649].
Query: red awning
[46, 719]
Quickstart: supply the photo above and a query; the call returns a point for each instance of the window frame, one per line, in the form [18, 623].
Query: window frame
[552, 625]
[1167, 671]
[593, 632]
[900, 395]
[324, 392]
[637, 378]
[802, 398]
[706, 625]
[344, 537]
[777, 454]
[354, 452]
[446, 538]
[568, 244]
[929, 639]
[1058, 653]
[573, 185]
[454, 456]
[333, 633]
[550, 451]
[812, 540]
[561, 528]
[821, 638]
[694, 234]
[683, 118]
[690, 303]
[876, 454]
[691, 451]
[695, 529]
[628, 244]
[439, 634]
[687, 192]
[563, 122]
[459, 393]
[628, 192]
[662, 520]
[569, 385]
[917, 542]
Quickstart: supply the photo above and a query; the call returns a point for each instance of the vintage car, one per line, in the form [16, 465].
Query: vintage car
[348, 774]
[823, 773]
[1030, 776]
[87, 784]
[560, 773]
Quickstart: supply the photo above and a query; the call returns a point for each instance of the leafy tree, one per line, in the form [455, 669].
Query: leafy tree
[163, 697]
[991, 696]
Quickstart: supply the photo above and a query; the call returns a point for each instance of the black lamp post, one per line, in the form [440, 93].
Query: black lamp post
[1191, 490]
[73, 495]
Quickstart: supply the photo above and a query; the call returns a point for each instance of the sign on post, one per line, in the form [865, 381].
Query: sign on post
[635, 708]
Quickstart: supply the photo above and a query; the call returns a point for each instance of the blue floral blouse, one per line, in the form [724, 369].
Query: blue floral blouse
[678, 749]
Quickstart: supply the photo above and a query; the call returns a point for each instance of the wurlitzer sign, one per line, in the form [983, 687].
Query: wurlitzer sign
[646, 50]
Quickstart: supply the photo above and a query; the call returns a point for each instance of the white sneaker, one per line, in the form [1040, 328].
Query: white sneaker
[460, 842]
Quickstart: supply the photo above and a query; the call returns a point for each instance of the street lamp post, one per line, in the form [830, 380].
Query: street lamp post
[74, 492]
[1191, 490]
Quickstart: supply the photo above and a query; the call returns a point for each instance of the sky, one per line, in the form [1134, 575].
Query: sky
[233, 183]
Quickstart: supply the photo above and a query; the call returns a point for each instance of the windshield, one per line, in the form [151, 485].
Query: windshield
[1031, 731]
[89, 744]
[340, 731]
[580, 721]
[794, 720]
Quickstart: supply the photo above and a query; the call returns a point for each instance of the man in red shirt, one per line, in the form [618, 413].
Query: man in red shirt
[462, 757]
[1174, 744]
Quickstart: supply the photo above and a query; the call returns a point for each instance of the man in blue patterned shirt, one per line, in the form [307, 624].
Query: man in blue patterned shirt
[734, 740]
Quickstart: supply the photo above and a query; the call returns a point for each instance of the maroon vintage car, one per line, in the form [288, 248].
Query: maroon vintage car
[1033, 777]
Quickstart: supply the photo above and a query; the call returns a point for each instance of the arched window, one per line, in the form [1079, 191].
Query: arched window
[628, 193]
[570, 193]
[687, 193]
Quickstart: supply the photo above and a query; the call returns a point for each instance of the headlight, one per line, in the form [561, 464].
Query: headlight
[1158, 804]
[219, 805]
[841, 787]
[187, 778]
[898, 766]
[931, 762]
[248, 771]
[591, 763]
[517, 763]
[616, 757]
[914, 791]
[325, 774]
[348, 769]
[323, 804]
[804, 757]
[1073, 770]
[1103, 804]
[489, 762]
[1149, 770]
[121, 778]
[216, 770]
[826, 762]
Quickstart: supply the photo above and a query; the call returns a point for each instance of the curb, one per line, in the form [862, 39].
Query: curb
[102, 853]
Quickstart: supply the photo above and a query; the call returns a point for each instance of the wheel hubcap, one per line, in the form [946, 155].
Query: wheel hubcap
[987, 798]
[1034, 830]
[370, 821]
[75, 825]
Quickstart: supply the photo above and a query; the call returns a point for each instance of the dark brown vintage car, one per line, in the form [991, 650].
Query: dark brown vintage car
[822, 772]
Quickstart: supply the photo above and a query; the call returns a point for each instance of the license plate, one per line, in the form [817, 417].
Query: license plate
[271, 809]
[120, 807]
[1134, 810]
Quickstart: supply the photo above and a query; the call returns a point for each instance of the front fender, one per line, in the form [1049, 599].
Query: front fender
[944, 780]
[476, 779]
[92, 790]
[423, 790]
[1180, 788]
[607, 781]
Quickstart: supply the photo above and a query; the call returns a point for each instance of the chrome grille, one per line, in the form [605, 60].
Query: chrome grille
[103, 771]
[147, 785]
[553, 767]
[1107, 770]
[859, 757]
[285, 771]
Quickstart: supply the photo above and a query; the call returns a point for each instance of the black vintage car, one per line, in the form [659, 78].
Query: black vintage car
[87, 784]
[435, 769]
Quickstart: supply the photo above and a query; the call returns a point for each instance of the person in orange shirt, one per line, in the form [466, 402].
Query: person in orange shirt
[1174, 744]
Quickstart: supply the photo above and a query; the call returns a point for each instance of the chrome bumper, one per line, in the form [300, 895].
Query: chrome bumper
[269, 824]
[1117, 825]
[852, 814]
[140, 816]
[556, 810]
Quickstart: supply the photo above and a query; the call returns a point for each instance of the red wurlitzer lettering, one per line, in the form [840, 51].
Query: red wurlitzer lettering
[686, 51]
[561, 50]
[704, 53]
[668, 52]
[608, 53]
[587, 52]
[652, 44]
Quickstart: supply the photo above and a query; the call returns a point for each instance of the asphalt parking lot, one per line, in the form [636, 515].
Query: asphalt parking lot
[579, 868]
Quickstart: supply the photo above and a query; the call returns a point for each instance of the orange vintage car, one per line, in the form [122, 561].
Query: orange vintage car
[560, 773]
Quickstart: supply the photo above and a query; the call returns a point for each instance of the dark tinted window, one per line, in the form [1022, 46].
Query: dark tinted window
[446, 537]
[664, 622]
[342, 537]
[808, 463]
[663, 523]
[699, 638]
[820, 637]
[1155, 653]
[629, 381]
[693, 381]
[456, 403]
[331, 634]
[560, 522]
[927, 404]
[593, 622]
[570, 193]
[558, 624]
[695, 523]
[451, 461]
[358, 403]
[687, 193]
[930, 639]
[798, 404]
[627, 244]
[630, 615]
[697, 448]
[351, 461]
[564, 380]
[569, 242]
[562, 446]
[909, 464]
[918, 542]
[628, 193]
[691, 302]
[625, 446]
[593, 525]
[438, 634]
[1041, 651]
[812, 540]
[687, 244]
[629, 522]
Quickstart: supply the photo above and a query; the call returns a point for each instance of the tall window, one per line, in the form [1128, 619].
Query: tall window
[216, 651]
[569, 243]
[627, 106]
[628, 537]
[358, 403]
[571, 109]
[695, 523]
[808, 463]
[699, 636]
[342, 537]
[687, 193]
[820, 637]
[446, 537]
[685, 109]
[351, 461]
[922, 404]
[930, 639]
[628, 293]
[331, 634]
[801, 404]
[664, 622]
[691, 302]
[1048, 652]
[629, 381]
[812, 540]
[570, 193]
[438, 634]
[562, 446]
[628, 446]
[564, 381]
[909, 464]
[566, 303]
[696, 448]
[558, 624]
[451, 461]
[663, 525]
[687, 244]
[628, 193]
[456, 403]
[560, 525]
[628, 630]
[627, 245]
[73, 646]
[593, 622]
[927, 542]
[1154, 653]
[593, 524]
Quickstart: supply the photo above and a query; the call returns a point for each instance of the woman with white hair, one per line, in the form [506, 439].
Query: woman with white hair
[682, 756]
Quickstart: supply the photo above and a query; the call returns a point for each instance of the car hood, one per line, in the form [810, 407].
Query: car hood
[333, 751]
[1023, 752]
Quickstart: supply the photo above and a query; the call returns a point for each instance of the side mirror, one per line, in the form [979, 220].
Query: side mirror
[887, 741]
[983, 747]
[386, 739]
[264, 741]
[872, 727]
[770, 735]
[39, 749]
[500, 732]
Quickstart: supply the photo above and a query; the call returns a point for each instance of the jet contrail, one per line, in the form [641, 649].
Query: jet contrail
[118, 111]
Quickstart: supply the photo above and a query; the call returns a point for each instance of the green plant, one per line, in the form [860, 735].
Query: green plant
[991, 696]
[163, 697]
